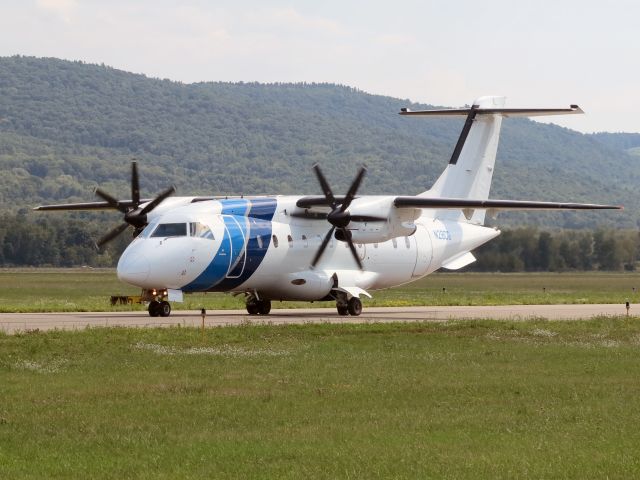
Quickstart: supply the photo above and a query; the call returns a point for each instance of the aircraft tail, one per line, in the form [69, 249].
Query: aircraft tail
[470, 169]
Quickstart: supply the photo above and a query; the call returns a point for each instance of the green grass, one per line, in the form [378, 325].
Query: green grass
[483, 399]
[56, 290]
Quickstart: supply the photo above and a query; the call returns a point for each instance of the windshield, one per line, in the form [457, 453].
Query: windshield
[200, 230]
[170, 230]
[147, 230]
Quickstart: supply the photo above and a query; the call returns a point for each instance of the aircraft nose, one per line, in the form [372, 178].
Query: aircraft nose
[133, 269]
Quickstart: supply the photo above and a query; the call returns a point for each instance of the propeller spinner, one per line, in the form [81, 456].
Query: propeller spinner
[133, 214]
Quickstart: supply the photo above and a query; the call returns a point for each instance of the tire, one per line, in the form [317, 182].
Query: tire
[343, 310]
[264, 307]
[164, 309]
[252, 308]
[154, 309]
[354, 306]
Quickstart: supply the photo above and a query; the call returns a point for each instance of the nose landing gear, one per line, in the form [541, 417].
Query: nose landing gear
[159, 309]
[158, 305]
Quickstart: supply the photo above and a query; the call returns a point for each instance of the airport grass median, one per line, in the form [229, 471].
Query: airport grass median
[482, 399]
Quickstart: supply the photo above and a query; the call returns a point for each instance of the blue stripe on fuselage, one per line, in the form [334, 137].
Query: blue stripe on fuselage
[234, 213]
[257, 213]
[260, 215]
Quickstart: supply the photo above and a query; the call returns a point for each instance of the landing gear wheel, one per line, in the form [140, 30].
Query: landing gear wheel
[165, 309]
[264, 307]
[154, 309]
[343, 310]
[354, 306]
[252, 308]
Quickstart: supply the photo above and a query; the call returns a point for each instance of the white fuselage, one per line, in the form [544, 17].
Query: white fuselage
[255, 245]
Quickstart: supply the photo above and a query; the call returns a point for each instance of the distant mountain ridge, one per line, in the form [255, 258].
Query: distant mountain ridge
[67, 126]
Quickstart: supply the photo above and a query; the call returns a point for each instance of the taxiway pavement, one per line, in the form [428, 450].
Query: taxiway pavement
[16, 322]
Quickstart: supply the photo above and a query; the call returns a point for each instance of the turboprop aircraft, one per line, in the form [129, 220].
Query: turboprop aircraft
[318, 248]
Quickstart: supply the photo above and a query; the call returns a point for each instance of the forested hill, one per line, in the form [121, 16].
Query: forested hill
[619, 140]
[67, 126]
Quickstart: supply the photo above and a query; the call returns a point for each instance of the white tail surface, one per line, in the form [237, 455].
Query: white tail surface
[470, 170]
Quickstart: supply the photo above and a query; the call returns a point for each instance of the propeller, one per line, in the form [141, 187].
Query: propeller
[133, 214]
[339, 217]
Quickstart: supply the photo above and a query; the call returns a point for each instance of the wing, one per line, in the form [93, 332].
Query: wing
[496, 205]
[88, 205]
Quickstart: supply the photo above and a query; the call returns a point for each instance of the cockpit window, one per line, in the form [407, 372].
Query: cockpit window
[148, 229]
[200, 230]
[170, 230]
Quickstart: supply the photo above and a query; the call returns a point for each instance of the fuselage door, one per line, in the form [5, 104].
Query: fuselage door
[236, 228]
[424, 251]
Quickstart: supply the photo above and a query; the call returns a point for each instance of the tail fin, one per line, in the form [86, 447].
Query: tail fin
[470, 169]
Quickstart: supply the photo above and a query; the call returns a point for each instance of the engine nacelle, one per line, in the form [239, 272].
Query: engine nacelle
[399, 221]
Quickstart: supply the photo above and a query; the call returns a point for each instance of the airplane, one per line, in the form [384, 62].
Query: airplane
[319, 248]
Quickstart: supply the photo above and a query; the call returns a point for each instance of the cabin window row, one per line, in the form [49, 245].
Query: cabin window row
[305, 242]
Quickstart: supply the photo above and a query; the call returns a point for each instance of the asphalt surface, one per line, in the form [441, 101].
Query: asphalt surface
[21, 322]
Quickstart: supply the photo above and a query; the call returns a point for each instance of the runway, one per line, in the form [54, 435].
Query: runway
[22, 322]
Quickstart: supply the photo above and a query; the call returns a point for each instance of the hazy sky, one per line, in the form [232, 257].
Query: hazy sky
[539, 54]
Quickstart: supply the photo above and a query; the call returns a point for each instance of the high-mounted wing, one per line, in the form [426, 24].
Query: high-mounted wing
[466, 203]
[89, 205]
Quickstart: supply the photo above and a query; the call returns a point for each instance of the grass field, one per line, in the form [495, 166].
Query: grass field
[457, 400]
[43, 290]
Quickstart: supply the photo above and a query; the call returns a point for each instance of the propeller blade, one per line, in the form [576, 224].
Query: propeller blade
[353, 189]
[326, 189]
[158, 200]
[112, 234]
[110, 200]
[323, 247]
[352, 247]
[135, 185]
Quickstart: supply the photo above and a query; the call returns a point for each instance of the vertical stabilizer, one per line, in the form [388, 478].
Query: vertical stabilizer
[470, 169]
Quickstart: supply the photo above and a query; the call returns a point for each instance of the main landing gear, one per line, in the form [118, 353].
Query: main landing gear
[258, 307]
[353, 306]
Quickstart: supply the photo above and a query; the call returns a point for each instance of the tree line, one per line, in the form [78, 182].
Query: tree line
[529, 249]
[66, 240]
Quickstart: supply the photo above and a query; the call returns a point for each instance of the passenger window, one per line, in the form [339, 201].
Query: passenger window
[290, 240]
[375, 245]
[395, 242]
[407, 242]
[306, 242]
[170, 230]
[275, 241]
[259, 239]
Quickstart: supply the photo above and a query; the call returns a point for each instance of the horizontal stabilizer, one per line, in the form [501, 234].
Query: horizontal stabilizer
[507, 112]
